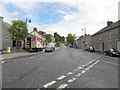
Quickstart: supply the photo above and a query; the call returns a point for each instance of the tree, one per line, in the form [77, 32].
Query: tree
[18, 31]
[58, 38]
[48, 38]
[70, 39]
[63, 39]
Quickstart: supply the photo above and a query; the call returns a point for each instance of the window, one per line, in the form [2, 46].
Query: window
[109, 34]
[99, 37]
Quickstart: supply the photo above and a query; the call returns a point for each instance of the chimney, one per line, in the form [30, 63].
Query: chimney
[1, 18]
[35, 29]
[109, 23]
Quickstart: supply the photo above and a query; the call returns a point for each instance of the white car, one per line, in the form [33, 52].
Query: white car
[49, 48]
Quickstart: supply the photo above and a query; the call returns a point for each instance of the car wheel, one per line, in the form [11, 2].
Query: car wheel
[111, 55]
[105, 53]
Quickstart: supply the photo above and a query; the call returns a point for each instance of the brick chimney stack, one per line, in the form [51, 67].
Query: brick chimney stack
[35, 29]
[109, 23]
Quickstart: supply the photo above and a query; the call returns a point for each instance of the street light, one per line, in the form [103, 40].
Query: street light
[27, 21]
[84, 38]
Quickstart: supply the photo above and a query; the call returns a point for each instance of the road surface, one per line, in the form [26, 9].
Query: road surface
[64, 68]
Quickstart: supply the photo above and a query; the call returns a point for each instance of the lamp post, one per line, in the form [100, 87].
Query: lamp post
[84, 38]
[27, 20]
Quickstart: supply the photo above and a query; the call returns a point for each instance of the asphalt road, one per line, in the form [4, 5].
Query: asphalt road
[64, 68]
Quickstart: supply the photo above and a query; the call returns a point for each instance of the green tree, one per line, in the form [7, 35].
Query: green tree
[70, 39]
[63, 39]
[57, 38]
[48, 38]
[18, 31]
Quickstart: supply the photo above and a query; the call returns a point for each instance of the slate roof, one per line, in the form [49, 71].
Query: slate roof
[110, 27]
[5, 24]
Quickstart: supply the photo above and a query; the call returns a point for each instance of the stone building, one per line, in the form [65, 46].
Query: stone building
[5, 37]
[84, 42]
[107, 37]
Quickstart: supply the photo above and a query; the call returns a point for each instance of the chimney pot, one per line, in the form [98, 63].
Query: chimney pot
[35, 29]
[1, 18]
[109, 23]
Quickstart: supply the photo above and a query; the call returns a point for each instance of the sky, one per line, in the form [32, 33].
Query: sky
[61, 16]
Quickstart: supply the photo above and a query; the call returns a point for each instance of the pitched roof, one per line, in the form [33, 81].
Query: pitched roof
[5, 24]
[107, 28]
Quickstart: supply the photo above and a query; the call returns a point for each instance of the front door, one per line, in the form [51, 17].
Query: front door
[103, 46]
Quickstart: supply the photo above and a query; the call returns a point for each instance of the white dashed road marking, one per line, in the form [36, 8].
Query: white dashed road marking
[49, 84]
[80, 67]
[83, 71]
[83, 65]
[61, 77]
[78, 75]
[71, 80]
[69, 73]
[87, 68]
[63, 86]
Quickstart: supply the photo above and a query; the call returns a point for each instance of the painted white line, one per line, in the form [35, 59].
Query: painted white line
[3, 62]
[95, 63]
[83, 71]
[61, 77]
[71, 80]
[69, 73]
[87, 68]
[98, 61]
[91, 66]
[49, 84]
[63, 86]
[78, 75]
[80, 67]
[90, 62]
[83, 65]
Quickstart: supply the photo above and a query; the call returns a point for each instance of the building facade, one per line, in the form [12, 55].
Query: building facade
[5, 37]
[84, 42]
[107, 37]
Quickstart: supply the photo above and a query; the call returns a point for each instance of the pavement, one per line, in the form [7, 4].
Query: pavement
[19, 54]
[63, 68]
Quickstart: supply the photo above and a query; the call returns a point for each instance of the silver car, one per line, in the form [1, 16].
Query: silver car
[49, 49]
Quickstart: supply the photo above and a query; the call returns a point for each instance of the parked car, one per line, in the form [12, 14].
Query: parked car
[91, 49]
[112, 52]
[49, 48]
[52, 45]
[71, 46]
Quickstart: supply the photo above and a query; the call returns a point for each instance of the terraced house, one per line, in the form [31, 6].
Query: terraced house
[107, 37]
[5, 37]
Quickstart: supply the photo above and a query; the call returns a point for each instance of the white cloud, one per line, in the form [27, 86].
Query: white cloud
[93, 15]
